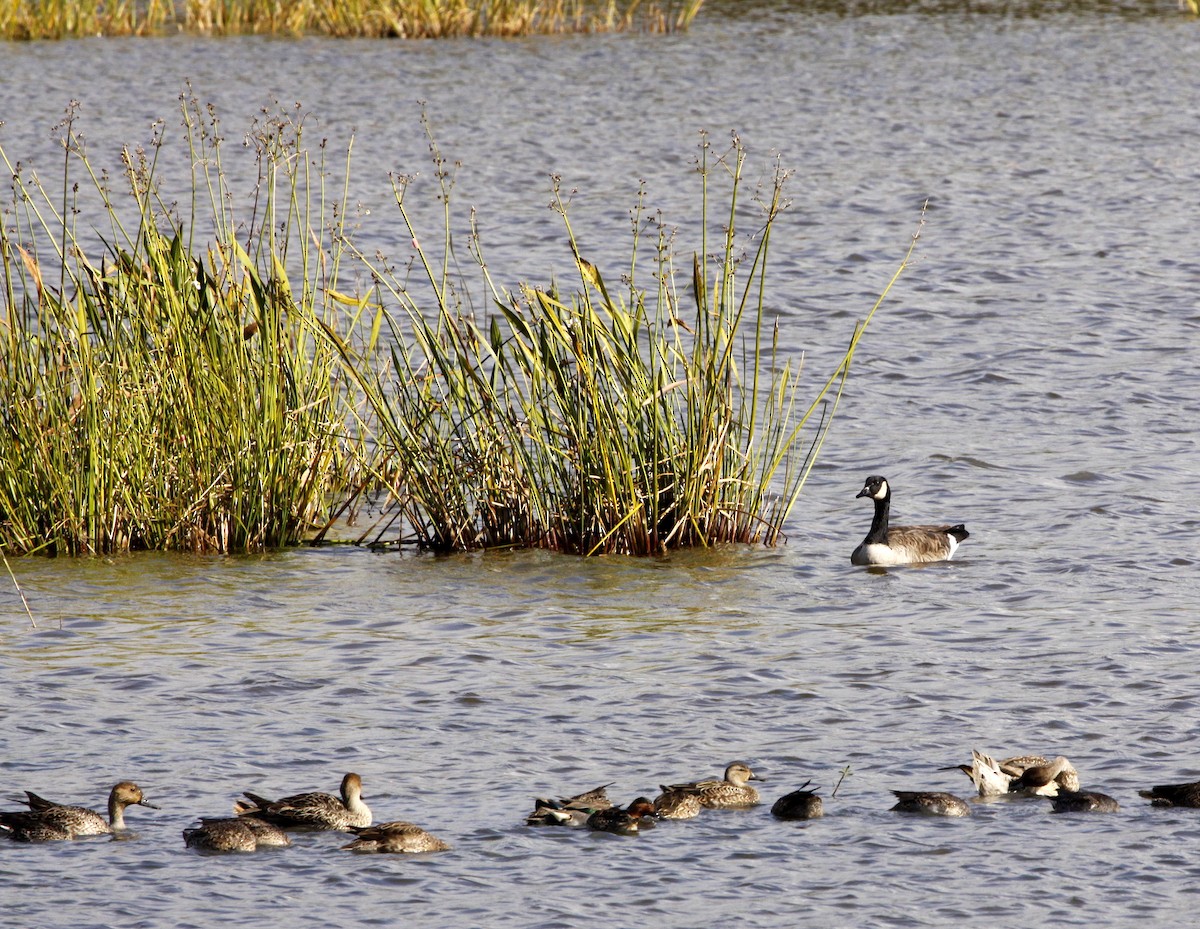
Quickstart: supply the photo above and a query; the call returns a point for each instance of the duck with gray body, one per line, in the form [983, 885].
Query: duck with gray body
[901, 545]
[569, 811]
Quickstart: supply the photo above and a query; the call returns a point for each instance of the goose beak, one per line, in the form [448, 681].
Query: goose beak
[862, 493]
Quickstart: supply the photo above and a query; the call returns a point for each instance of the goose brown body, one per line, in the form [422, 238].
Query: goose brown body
[900, 545]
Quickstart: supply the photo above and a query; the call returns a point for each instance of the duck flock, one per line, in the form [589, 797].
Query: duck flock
[263, 823]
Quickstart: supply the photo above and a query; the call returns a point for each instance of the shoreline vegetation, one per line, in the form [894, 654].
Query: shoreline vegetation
[406, 19]
[215, 375]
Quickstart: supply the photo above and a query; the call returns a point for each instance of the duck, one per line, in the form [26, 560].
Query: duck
[237, 834]
[731, 792]
[930, 803]
[633, 819]
[989, 776]
[394, 837]
[1045, 779]
[801, 803]
[1083, 801]
[311, 810]
[569, 811]
[672, 803]
[1174, 795]
[47, 821]
[902, 545]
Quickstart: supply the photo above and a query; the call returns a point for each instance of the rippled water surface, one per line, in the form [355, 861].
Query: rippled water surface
[1034, 375]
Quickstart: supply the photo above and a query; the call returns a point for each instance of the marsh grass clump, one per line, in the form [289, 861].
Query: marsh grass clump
[617, 418]
[52, 19]
[160, 394]
[192, 378]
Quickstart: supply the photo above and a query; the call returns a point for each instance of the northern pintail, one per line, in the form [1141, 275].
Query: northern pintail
[633, 819]
[1083, 801]
[240, 834]
[1174, 794]
[47, 820]
[1046, 779]
[569, 811]
[311, 810]
[801, 803]
[394, 837]
[930, 803]
[733, 791]
[988, 775]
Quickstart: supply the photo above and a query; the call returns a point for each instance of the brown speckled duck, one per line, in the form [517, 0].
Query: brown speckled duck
[238, 834]
[311, 810]
[930, 803]
[394, 838]
[731, 792]
[46, 820]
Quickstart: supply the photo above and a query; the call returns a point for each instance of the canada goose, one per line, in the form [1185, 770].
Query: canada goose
[902, 544]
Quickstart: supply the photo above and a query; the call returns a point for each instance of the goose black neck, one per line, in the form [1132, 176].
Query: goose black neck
[879, 525]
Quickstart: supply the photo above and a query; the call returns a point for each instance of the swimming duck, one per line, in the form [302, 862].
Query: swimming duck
[569, 811]
[1046, 779]
[676, 804]
[1174, 794]
[989, 776]
[1083, 801]
[311, 810]
[633, 819]
[733, 791]
[801, 803]
[47, 820]
[239, 834]
[899, 545]
[930, 803]
[395, 837]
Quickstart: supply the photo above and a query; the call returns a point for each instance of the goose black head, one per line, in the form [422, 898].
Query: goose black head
[876, 488]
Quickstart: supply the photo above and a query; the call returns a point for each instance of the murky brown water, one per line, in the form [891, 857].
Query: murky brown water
[1034, 375]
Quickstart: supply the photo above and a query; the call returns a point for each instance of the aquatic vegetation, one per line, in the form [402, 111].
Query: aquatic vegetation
[54, 19]
[199, 380]
[600, 421]
[161, 394]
